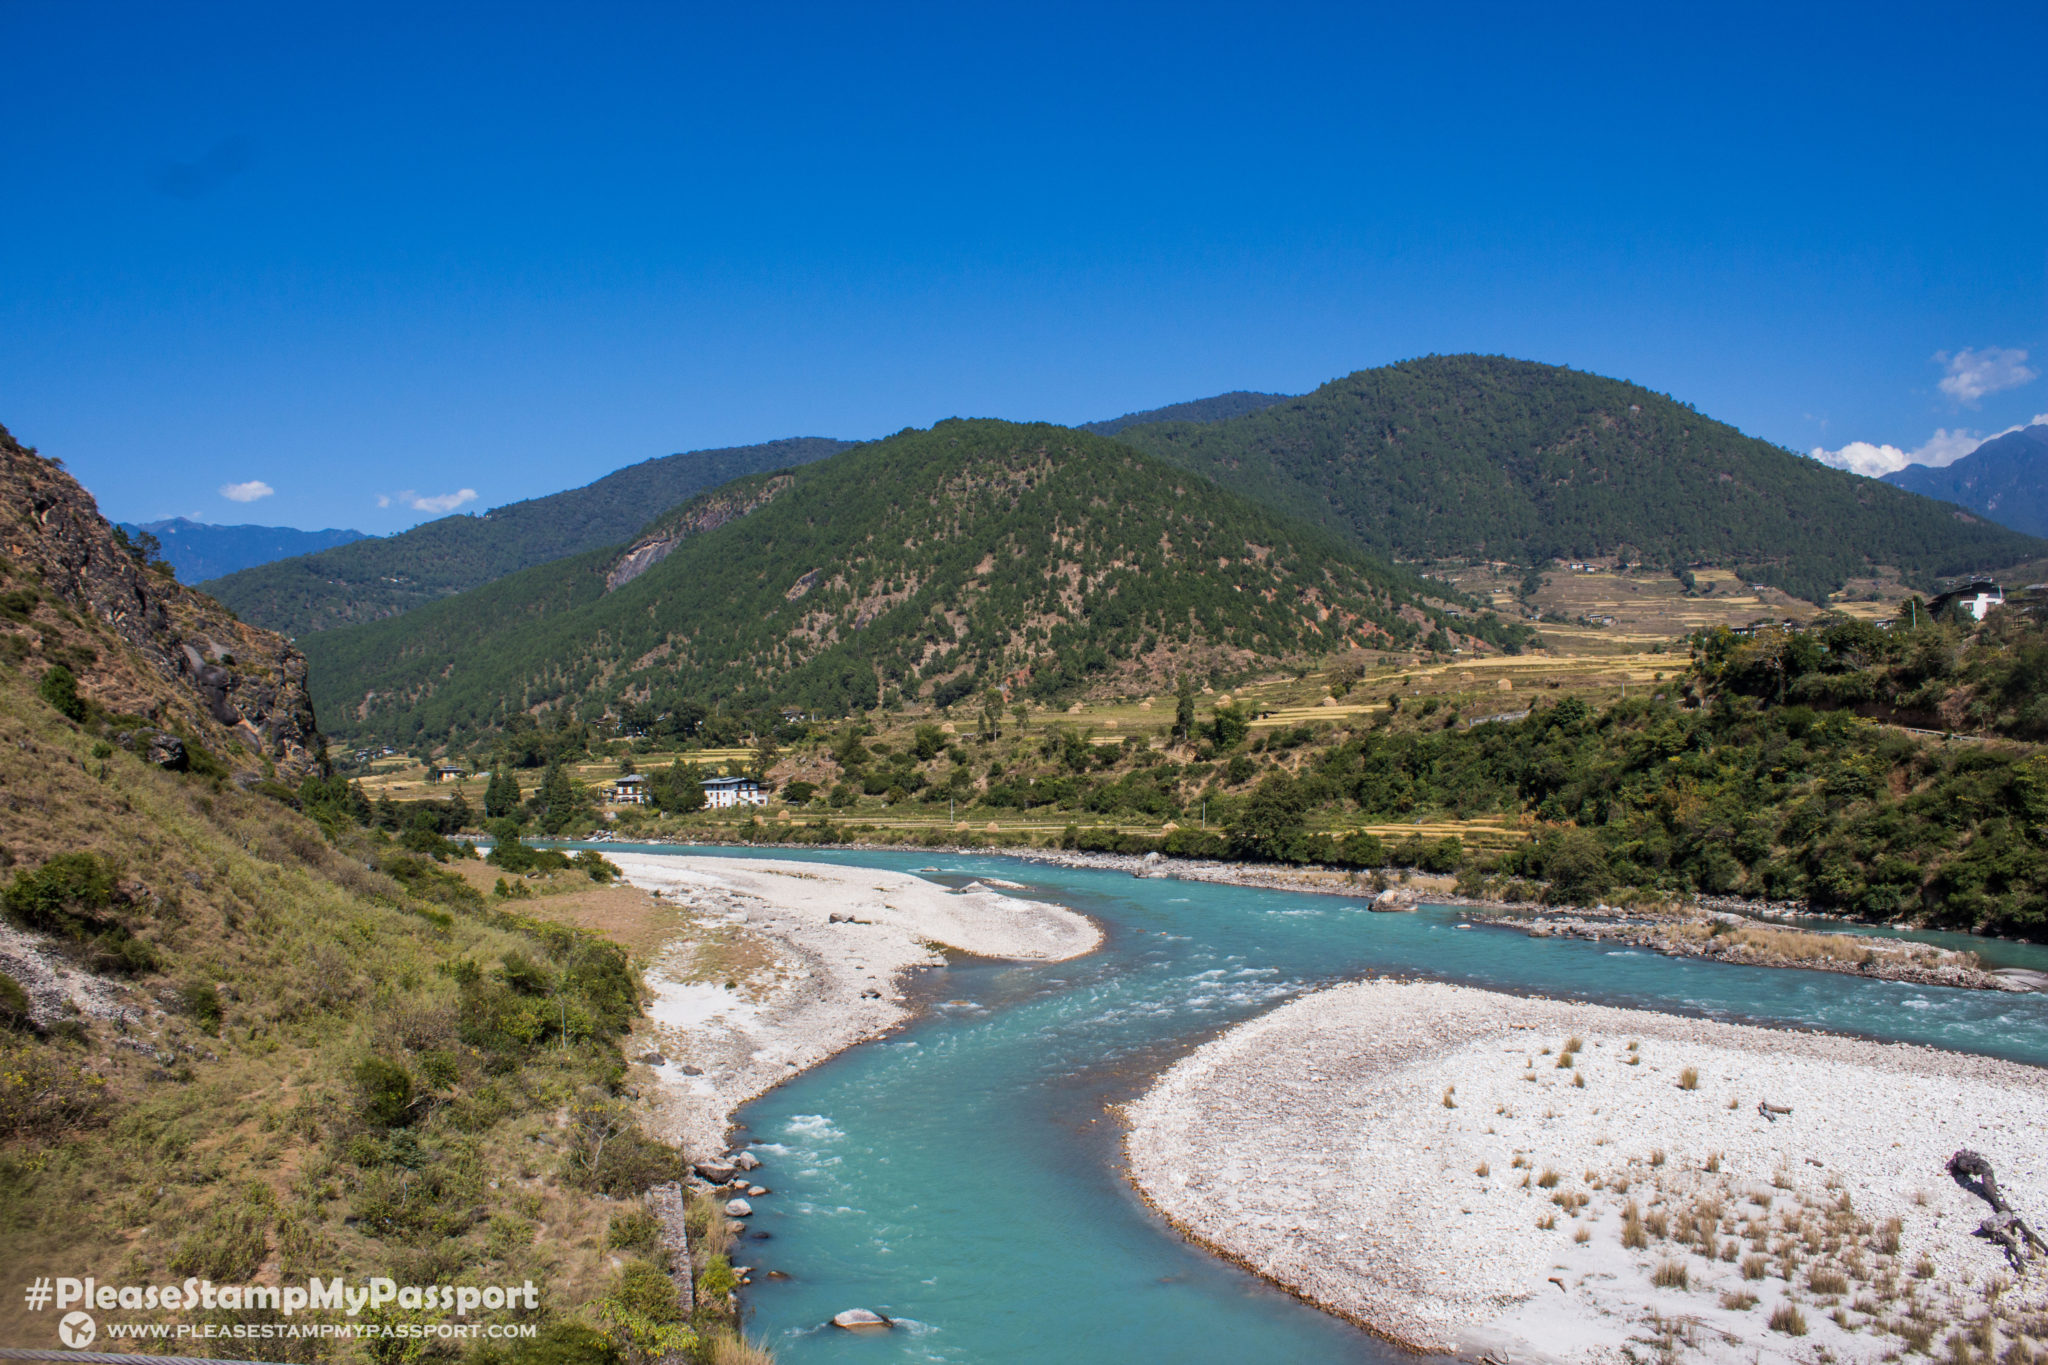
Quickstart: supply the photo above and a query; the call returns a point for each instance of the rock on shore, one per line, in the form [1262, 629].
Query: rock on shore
[1416, 1157]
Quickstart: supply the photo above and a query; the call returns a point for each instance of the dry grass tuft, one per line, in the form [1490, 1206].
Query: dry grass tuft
[1482, 1170]
[1689, 1079]
[1671, 1275]
[1548, 1180]
[1789, 1320]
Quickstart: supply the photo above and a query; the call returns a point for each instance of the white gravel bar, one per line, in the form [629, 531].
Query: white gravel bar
[1390, 1151]
[841, 939]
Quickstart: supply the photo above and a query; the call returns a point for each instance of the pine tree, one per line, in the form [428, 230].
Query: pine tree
[1184, 708]
[501, 795]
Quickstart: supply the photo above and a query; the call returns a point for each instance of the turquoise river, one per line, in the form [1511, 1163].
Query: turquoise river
[963, 1175]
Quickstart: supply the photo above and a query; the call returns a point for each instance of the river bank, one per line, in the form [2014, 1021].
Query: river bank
[778, 965]
[1716, 928]
[1423, 1160]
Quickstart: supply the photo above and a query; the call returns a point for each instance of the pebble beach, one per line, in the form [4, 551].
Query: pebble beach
[1532, 1180]
[827, 947]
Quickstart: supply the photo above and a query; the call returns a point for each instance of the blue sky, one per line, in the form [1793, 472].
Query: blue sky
[371, 258]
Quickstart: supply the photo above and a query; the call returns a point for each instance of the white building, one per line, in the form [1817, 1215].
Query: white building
[733, 791]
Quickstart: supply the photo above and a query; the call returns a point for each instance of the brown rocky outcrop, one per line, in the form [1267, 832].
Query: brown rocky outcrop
[140, 642]
[707, 512]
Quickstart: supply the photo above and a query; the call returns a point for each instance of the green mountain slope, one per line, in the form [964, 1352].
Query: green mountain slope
[1483, 457]
[372, 579]
[975, 554]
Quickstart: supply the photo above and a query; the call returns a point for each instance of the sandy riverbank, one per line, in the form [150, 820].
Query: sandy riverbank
[779, 965]
[1414, 1157]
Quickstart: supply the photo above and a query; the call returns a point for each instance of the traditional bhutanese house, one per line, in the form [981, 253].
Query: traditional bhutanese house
[449, 772]
[733, 791]
[630, 790]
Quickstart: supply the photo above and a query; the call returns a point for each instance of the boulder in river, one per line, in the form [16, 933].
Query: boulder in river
[737, 1208]
[717, 1172]
[746, 1161]
[861, 1320]
[756, 1191]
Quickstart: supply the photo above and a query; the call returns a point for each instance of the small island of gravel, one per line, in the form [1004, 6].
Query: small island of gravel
[1467, 1171]
[774, 966]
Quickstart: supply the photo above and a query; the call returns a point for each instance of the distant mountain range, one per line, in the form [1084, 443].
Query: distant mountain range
[1467, 457]
[379, 577]
[1442, 458]
[199, 550]
[1222, 407]
[932, 564]
[2005, 479]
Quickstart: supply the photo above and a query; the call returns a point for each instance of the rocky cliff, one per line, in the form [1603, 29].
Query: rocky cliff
[140, 643]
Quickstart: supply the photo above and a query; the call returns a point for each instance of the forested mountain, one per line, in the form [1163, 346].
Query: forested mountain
[372, 579]
[1237, 403]
[2005, 479]
[199, 550]
[1485, 457]
[935, 563]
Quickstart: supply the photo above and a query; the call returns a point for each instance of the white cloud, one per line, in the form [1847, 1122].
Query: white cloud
[246, 492]
[1972, 373]
[422, 502]
[1941, 449]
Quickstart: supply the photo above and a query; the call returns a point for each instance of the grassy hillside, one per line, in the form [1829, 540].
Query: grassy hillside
[974, 555]
[246, 1037]
[372, 579]
[1488, 458]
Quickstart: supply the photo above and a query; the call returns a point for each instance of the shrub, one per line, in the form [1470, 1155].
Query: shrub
[386, 1087]
[59, 687]
[1671, 1275]
[15, 1008]
[44, 1096]
[63, 896]
[643, 1319]
[634, 1229]
[597, 866]
[202, 1002]
[560, 1343]
[717, 1279]
[609, 1153]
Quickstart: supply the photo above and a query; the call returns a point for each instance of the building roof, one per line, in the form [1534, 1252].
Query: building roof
[726, 783]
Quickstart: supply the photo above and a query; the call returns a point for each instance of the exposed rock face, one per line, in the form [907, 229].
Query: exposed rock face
[701, 514]
[140, 642]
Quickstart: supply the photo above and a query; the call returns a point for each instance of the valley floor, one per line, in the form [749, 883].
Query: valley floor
[1417, 1157]
[776, 966]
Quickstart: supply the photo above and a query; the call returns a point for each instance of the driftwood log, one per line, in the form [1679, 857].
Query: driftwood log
[1973, 1172]
[1772, 1111]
